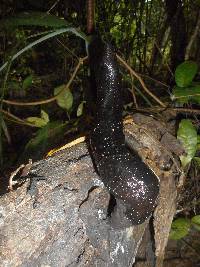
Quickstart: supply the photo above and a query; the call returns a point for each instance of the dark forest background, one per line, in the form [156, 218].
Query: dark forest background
[152, 37]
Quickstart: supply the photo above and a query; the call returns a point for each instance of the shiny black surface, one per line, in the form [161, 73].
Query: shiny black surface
[123, 173]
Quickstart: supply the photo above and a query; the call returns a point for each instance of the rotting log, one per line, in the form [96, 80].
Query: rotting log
[62, 214]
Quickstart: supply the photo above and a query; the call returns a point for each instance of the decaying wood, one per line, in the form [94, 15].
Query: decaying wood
[62, 214]
[160, 150]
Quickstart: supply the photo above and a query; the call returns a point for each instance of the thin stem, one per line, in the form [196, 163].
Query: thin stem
[141, 81]
[51, 99]
[15, 118]
[178, 110]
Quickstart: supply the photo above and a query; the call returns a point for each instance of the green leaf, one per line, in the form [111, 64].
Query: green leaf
[64, 98]
[185, 73]
[39, 122]
[179, 228]
[187, 135]
[27, 82]
[79, 111]
[44, 116]
[34, 19]
[196, 222]
[42, 39]
[183, 95]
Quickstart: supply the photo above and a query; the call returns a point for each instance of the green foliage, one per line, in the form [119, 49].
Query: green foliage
[197, 161]
[16, 83]
[42, 39]
[181, 227]
[186, 90]
[196, 222]
[187, 134]
[34, 19]
[185, 95]
[79, 111]
[41, 19]
[185, 73]
[27, 82]
[39, 121]
[64, 97]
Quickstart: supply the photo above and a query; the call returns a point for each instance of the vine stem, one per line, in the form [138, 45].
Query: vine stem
[45, 101]
[18, 120]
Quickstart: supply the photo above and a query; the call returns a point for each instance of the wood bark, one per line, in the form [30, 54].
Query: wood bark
[62, 215]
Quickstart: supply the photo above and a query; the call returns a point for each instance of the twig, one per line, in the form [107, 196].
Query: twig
[141, 81]
[182, 96]
[68, 50]
[15, 118]
[148, 77]
[35, 103]
[178, 110]
[186, 110]
[53, 6]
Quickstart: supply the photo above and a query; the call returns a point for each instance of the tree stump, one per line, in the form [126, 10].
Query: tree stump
[62, 215]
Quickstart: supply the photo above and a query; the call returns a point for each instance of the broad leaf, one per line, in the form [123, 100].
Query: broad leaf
[187, 134]
[179, 228]
[185, 73]
[64, 98]
[37, 121]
